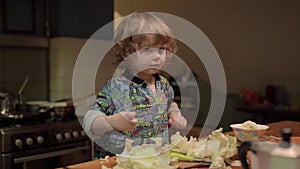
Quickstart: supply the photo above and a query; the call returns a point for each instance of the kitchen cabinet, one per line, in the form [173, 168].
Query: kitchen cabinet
[80, 18]
[23, 17]
[56, 18]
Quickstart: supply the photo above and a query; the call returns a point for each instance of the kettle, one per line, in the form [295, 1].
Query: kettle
[270, 155]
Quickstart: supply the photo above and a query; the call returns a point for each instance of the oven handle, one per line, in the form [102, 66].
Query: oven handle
[51, 154]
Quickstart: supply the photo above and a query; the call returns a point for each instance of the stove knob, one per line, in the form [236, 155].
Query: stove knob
[18, 143]
[67, 135]
[75, 134]
[29, 141]
[58, 137]
[82, 133]
[40, 139]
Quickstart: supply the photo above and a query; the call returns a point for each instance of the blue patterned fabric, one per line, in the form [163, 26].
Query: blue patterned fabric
[126, 92]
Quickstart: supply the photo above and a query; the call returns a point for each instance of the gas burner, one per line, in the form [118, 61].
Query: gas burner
[31, 119]
[27, 118]
[17, 119]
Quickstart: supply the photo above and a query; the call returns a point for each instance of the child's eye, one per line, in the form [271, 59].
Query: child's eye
[162, 50]
[146, 49]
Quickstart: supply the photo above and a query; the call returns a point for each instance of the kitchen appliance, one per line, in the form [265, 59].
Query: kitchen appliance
[7, 102]
[270, 155]
[37, 140]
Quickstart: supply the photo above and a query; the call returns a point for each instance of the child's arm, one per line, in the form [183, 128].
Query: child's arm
[100, 123]
[123, 121]
[175, 118]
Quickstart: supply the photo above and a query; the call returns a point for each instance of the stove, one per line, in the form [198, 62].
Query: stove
[47, 143]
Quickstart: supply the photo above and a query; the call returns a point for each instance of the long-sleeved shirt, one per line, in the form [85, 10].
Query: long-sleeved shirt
[126, 92]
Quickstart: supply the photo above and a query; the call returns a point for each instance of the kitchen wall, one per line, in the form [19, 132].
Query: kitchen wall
[63, 27]
[22, 57]
[257, 41]
[73, 23]
[63, 55]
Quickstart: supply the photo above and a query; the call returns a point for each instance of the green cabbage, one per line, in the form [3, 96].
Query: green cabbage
[216, 147]
[147, 156]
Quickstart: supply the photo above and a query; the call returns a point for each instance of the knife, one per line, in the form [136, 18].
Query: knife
[182, 157]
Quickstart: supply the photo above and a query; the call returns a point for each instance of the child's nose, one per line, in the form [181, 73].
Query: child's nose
[156, 55]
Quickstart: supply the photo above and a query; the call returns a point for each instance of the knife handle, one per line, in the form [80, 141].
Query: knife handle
[181, 157]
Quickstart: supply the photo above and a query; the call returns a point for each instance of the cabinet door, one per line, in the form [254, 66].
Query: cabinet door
[80, 18]
[23, 17]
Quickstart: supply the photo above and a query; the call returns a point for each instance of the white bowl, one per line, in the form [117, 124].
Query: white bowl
[244, 134]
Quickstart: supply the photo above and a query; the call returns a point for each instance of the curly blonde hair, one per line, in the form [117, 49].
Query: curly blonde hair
[134, 29]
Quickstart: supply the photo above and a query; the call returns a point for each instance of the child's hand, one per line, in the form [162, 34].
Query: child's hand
[123, 121]
[177, 120]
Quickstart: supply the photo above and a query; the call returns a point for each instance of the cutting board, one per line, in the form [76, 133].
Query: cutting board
[96, 165]
[112, 161]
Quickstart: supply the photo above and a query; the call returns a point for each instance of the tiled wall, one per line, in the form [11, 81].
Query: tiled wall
[63, 54]
[16, 63]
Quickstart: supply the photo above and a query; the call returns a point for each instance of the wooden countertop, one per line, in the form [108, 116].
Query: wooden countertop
[95, 164]
[274, 130]
[277, 126]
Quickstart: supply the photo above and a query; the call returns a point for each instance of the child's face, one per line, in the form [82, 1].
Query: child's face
[148, 59]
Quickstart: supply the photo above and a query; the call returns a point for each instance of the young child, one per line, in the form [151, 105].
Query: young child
[138, 103]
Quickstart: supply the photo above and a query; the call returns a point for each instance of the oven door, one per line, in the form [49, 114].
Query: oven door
[56, 157]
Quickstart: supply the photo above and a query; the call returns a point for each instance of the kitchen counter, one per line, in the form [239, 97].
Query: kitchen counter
[277, 126]
[95, 164]
[274, 130]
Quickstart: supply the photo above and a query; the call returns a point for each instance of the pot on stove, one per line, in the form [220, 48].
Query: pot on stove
[36, 106]
[269, 155]
[55, 110]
